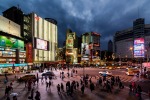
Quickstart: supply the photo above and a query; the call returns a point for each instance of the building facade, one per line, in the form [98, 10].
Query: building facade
[43, 37]
[12, 53]
[133, 42]
[90, 48]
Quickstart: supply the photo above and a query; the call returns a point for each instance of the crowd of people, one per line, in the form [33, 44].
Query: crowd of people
[103, 83]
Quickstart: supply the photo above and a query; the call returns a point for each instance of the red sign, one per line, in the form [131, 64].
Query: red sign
[29, 52]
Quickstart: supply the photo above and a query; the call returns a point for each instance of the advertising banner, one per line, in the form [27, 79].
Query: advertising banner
[139, 47]
[11, 42]
[29, 52]
[41, 44]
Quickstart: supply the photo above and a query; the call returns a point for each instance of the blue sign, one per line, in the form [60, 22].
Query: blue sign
[5, 65]
[24, 64]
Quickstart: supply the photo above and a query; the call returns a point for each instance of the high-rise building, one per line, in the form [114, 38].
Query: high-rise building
[134, 41]
[71, 47]
[110, 46]
[90, 48]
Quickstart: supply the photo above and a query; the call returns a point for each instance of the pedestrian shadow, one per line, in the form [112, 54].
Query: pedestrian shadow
[116, 91]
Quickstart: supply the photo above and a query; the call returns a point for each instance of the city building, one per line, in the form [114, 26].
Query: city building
[110, 46]
[12, 53]
[43, 38]
[134, 42]
[90, 48]
[71, 47]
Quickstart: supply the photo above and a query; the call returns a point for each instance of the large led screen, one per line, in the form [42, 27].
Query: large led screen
[85, 49]
[139, 47]
[41, 44]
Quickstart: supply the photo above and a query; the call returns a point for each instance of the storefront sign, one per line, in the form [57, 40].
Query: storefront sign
[24, 64]
[30, 63]
[29, 51]
[6, 65]
[11, 42]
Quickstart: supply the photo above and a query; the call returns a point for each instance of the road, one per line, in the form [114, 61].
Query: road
[51, 94]
[121, 73]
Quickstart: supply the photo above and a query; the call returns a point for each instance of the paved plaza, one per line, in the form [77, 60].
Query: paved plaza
[51, 93]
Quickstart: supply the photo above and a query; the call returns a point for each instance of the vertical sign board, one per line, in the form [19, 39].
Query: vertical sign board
[139, 47]
[29, 52]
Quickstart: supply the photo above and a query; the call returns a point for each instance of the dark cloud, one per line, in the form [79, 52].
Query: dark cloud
[102, 16]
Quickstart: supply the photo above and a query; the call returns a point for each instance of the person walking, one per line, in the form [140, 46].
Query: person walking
[58, 89]
[82, 88]
[77, 84]
[47, 84]
[62, 87]
[32, 94]
[38, 95]
[91, 87]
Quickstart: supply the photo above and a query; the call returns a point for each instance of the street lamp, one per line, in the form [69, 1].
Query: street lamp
[131, 49]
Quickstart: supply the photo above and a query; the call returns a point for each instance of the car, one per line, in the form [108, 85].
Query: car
[48, 74]
[107, 73]
[111, 67]
[130, 73]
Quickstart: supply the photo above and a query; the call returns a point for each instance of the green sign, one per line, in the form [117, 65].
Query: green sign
[11, 42]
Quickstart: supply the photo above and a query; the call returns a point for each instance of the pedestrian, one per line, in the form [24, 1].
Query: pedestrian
[37, 80]
[130, 89]
[139, 90]
[58, 88]
[62, 87]
[8, 98]
[91, 87]
[32, 94]
[47, 84]
[60, 74]
[38, 95]
[76, 71]
[68, 90]
[82, 88]
[42, 79]
[14, 97]
[6, 91]
[77, 84]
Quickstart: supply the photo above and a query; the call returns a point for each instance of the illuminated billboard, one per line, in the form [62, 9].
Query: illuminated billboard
[69, 43]
[85, 49]
[41, 44]
[11, 42]
[139, 47]
[9, 26]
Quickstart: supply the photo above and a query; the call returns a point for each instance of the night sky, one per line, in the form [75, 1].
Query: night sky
[101, 16]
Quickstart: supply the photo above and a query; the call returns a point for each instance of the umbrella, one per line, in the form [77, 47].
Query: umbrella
[14, 94]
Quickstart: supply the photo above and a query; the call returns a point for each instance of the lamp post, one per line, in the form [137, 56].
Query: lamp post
[131, 49]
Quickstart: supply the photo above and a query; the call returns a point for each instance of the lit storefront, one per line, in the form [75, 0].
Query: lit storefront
[11, 46]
